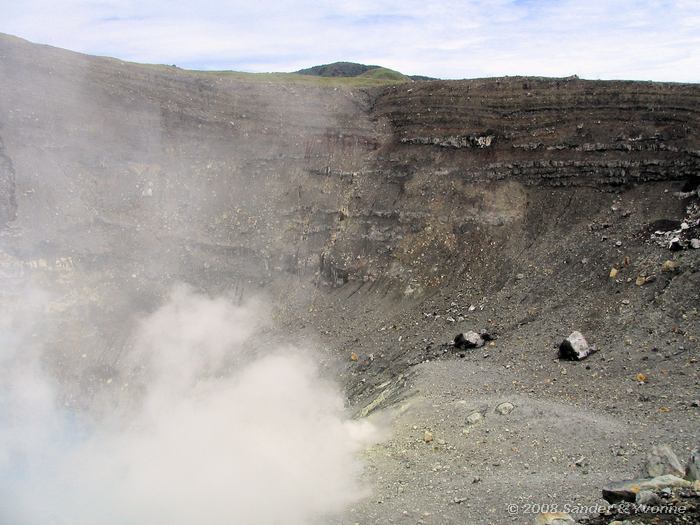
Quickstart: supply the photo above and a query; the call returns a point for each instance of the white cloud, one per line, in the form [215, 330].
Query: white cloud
[654, 40]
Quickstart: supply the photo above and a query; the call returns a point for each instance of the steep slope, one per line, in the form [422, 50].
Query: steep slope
[150, 174]
[118, 150]
[122, 179]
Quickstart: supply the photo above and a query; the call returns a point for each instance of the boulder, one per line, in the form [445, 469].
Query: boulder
[628, 489]
[575, 347]
[661, 460]
[469, 340]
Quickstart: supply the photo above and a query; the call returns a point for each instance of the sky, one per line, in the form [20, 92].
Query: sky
[606, 39]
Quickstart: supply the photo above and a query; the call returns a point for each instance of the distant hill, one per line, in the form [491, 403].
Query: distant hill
[338, 69]
[353, 69]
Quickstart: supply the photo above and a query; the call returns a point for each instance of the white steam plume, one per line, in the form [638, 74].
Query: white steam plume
[212, 441]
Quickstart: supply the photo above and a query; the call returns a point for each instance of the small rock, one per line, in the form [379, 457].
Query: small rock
[669, 266]
[613, 272]
[618, 243]
[625, 301]
[641, 280]
[647, 497]
[695, 244]
[474, 418]
[575, 347]
[675, 244]
[693, 467]
[520, 276]
[661, 460]
[487, 336]
[428, 436]
[554, 518]
[469, 340]
[505, 408]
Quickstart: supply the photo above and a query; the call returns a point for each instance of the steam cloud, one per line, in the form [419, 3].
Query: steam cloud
[217, 437]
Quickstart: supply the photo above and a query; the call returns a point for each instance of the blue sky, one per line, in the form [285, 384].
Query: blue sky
[630, 39]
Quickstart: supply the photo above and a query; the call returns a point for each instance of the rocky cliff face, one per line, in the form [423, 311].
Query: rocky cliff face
[474, 160]
[548, 131]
